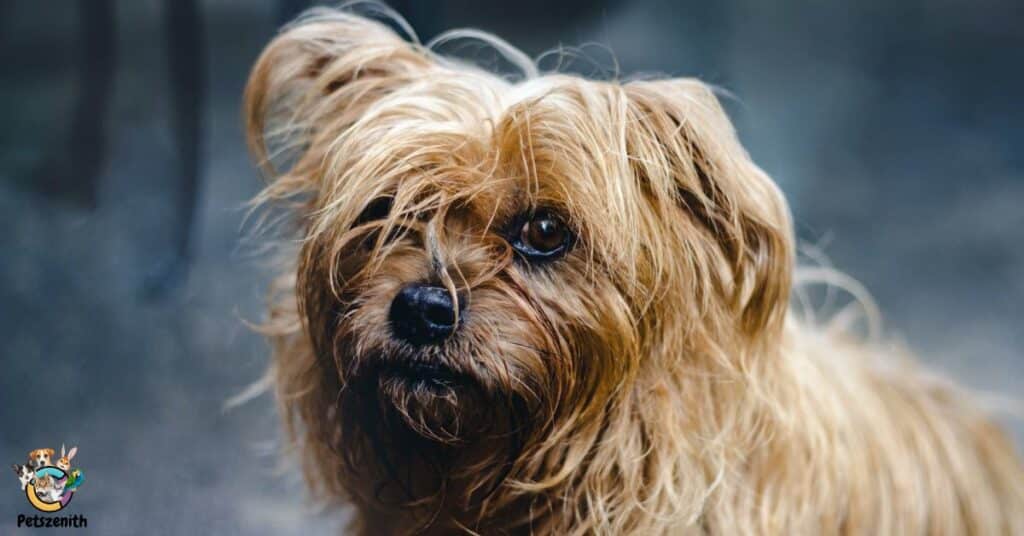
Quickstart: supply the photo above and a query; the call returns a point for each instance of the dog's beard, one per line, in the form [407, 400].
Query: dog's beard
[444, 399]
[430, 425]
[431, 398]
[476, 386]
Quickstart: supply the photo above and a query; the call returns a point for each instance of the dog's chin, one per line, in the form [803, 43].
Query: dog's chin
[432, 399]
[422, 379]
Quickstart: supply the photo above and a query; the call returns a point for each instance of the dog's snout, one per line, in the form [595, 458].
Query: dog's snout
[422, 314]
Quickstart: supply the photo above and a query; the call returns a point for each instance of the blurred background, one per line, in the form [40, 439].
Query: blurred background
[895, 129]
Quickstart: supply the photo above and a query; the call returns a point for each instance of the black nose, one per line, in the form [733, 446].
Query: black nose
[422, 314]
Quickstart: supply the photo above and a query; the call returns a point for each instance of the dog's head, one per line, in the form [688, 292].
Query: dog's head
[500, 265]
[40, 457]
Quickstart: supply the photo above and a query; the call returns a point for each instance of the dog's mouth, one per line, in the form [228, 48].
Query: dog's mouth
[430, 398]
[429, 375]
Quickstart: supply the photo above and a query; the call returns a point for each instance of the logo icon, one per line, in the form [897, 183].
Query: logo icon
[49, 484]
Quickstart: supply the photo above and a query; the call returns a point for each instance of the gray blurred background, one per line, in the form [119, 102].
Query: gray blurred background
[895, 128]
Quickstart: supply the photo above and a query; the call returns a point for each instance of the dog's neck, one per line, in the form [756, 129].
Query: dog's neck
[441, 492]
[461, 503]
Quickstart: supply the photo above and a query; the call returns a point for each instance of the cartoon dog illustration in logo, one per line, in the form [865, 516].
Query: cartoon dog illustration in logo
[40, 458]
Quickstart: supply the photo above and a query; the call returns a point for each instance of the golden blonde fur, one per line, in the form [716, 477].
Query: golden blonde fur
[655, 380]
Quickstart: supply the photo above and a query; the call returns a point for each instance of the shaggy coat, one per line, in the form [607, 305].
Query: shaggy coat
[654, 379]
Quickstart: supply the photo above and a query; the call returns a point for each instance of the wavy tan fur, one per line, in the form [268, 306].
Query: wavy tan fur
[654, 381]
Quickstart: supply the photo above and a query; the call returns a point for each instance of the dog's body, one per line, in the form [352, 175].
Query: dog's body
[562, 306]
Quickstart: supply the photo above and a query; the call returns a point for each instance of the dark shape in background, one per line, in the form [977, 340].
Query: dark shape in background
[72, 169]
[186, 60]
[894, 128]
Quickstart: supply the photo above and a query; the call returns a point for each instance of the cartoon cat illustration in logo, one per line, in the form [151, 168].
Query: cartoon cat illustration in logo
[24, 473]
[49, 489]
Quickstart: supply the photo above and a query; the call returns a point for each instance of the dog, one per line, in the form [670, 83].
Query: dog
[25, 474]
[40, 458]
[562, 306]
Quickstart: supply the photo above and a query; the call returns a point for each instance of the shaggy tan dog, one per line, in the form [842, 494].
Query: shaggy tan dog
[562, 306]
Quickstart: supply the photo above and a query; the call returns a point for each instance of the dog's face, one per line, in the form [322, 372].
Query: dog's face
[488, 263]
[40, 457]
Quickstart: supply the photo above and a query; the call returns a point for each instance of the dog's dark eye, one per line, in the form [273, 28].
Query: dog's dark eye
[542, 236]
[378, 209]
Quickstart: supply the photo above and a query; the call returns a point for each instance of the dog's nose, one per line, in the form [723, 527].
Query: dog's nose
[422, 314]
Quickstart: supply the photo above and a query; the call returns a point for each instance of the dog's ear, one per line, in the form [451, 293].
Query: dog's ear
[687, 149]
[318, 77]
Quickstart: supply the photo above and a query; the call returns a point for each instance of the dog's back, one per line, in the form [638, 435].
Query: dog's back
[866, 442]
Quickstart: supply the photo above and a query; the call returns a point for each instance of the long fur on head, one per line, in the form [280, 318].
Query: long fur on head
[651, 381]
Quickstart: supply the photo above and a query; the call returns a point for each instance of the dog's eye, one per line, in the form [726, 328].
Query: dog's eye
[378, 209]
[542, 236]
